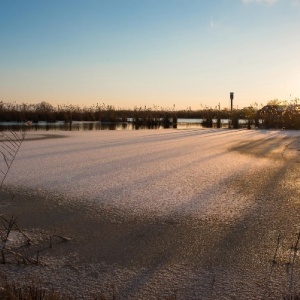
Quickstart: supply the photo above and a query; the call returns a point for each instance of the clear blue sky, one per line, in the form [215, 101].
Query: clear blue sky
[143, 52]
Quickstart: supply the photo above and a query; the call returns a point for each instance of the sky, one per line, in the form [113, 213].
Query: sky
[136, 53]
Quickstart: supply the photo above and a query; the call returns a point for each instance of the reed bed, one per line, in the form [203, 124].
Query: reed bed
[276, 114]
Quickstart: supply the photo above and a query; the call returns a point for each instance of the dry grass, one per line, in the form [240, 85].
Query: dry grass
[32, 291]
[35, 290]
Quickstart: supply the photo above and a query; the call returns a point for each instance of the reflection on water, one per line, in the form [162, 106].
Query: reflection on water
[74, 126]
[82, 126]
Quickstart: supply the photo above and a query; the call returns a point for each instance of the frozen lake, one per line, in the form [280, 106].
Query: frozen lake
[158, 173]
[199, 210]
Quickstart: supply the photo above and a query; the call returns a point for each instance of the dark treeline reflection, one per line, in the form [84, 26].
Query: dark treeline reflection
[97, 117]
[83, 126]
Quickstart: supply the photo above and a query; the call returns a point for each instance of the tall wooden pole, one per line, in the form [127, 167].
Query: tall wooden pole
[231, 99]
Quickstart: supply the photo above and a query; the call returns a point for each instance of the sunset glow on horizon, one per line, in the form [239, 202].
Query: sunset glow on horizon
[143, 53]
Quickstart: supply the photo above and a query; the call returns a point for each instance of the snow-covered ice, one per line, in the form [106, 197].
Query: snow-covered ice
[144, 172]
[206, 203]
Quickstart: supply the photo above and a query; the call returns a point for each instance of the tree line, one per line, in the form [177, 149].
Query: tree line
[276, 114]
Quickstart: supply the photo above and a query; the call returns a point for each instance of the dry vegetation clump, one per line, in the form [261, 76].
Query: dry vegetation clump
[35, 290]
[9, 290]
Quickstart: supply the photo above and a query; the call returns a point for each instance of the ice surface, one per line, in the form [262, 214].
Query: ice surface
[157, 173]
[205, 207]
